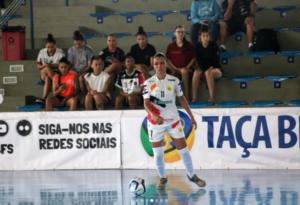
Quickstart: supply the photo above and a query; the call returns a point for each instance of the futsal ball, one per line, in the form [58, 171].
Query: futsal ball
[137, 186]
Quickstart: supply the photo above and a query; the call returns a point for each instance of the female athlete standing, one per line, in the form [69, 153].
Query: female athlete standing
[159, 101]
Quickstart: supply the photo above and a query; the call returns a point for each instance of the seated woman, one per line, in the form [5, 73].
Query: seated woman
[143, 53]
[207, 55]
[130, 83]
[97, 83]
[113, 58]
[65, 88]
[181, 57]
[80, 57]
[47, 63]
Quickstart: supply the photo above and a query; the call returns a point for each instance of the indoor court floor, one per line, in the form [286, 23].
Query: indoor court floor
[109, 187]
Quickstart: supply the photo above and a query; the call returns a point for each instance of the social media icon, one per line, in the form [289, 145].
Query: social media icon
[3, 128]
[24, 128]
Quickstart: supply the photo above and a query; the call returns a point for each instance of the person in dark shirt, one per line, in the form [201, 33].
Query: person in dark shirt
[143, 52]
[238, 16]
[207, 55]
[181, 57]
[113, 58]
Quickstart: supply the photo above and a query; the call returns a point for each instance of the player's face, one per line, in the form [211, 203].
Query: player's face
[111, 41]
[179, 33]
[142, 40]
[96, 65]
[50, 47]
[160, 65]
[129, 63]
[204, 38]
[63, 67]
[78, 44]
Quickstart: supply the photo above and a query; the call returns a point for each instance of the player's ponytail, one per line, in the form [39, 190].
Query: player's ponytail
[78, 36]
[50, 39]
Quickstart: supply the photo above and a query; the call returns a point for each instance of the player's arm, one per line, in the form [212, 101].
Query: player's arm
[158, 119]
[139, 92]
[55, 89]
[41, 67]
[186, 106]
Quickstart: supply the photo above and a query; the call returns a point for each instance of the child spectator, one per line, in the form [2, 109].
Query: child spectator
[47, 63]
[65, 88]
[239, 16]
[181, 57]
[113, 58]
[205, 12]
[207, 55]
[143, 53]
[97, 83]
[80, 57]
[2, 7]
[130, 83]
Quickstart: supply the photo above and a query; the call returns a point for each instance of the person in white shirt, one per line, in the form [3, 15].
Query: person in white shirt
[97, 83]
[159, 101]
[47, 63]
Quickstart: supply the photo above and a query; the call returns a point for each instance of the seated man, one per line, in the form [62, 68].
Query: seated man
[47, 63]
[97, 83]
[130, 83]
[238, 16]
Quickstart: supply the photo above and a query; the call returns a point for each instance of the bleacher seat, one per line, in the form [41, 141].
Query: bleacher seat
[246, 78]
[265, 103]
[230, 104]
[279, 78]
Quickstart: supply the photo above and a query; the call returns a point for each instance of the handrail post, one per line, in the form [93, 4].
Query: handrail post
[31, 24]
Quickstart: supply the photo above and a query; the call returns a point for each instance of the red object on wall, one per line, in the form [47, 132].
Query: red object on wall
[13, 43]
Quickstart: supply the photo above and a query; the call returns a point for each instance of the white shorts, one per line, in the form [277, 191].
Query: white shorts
[156, 133]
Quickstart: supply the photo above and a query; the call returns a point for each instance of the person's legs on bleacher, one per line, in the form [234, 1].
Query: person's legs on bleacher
[72, 103]
[185, 76]
[113, 70]
[83, 88]
[214, 31]
[195, 83]
[211, 74]
[134, 101]
[223, 35]
[52, 102]
[47, 75]
[119, 102]
[89, 102]
[194, 33]
[100, 100]
[250, 34]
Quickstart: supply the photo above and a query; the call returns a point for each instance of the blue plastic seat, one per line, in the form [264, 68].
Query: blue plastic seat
[220, 79]
[265, 103]
[289, 53]
[150, 34]
[277, 30]
[61, 108]
[91, 35]
[30, 108]
[199, 104]
[40, 83]
[245, 78]
[296, 30]
[284, 8]
[169, 34]
[231, 104]
[261, 8]
[293, 103]
[119, 35]
[259, 54]
[161, 13]
[102, 15]
[229, 54]
[278, 78]
[185, 12]
[131, 14]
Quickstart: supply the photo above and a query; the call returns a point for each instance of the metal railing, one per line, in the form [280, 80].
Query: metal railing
[13, 7]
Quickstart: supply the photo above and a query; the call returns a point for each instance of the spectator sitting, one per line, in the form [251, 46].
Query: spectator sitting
[205, 12]
[2, 7]
[47, 63]
[207, 55]
[181, 57]
[239, 16]
[130, 83]
[143, 52]
[97, 83]
[65, 88]
[80, 57]
[113, 58]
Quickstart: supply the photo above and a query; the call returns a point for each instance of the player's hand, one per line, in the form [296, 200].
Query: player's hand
[194, 123]
[231, 2]
[158, 119]
[63, 87]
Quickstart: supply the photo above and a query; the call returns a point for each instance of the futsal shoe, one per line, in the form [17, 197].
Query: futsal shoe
[197, 180]
[162, 183]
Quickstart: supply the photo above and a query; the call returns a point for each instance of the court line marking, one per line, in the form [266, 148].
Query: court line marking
[229, 192]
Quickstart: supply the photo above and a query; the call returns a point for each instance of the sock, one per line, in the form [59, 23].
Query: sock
[159, 161]
[250, 44]
[187, 161]
[223, 46]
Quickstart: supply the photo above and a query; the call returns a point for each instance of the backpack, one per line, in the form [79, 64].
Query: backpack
[266, 40]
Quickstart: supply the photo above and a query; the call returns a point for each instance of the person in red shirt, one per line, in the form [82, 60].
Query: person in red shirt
[65, 88]
[181, 58]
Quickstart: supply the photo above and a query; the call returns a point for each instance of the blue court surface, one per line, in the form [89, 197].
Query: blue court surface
[108, 187]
